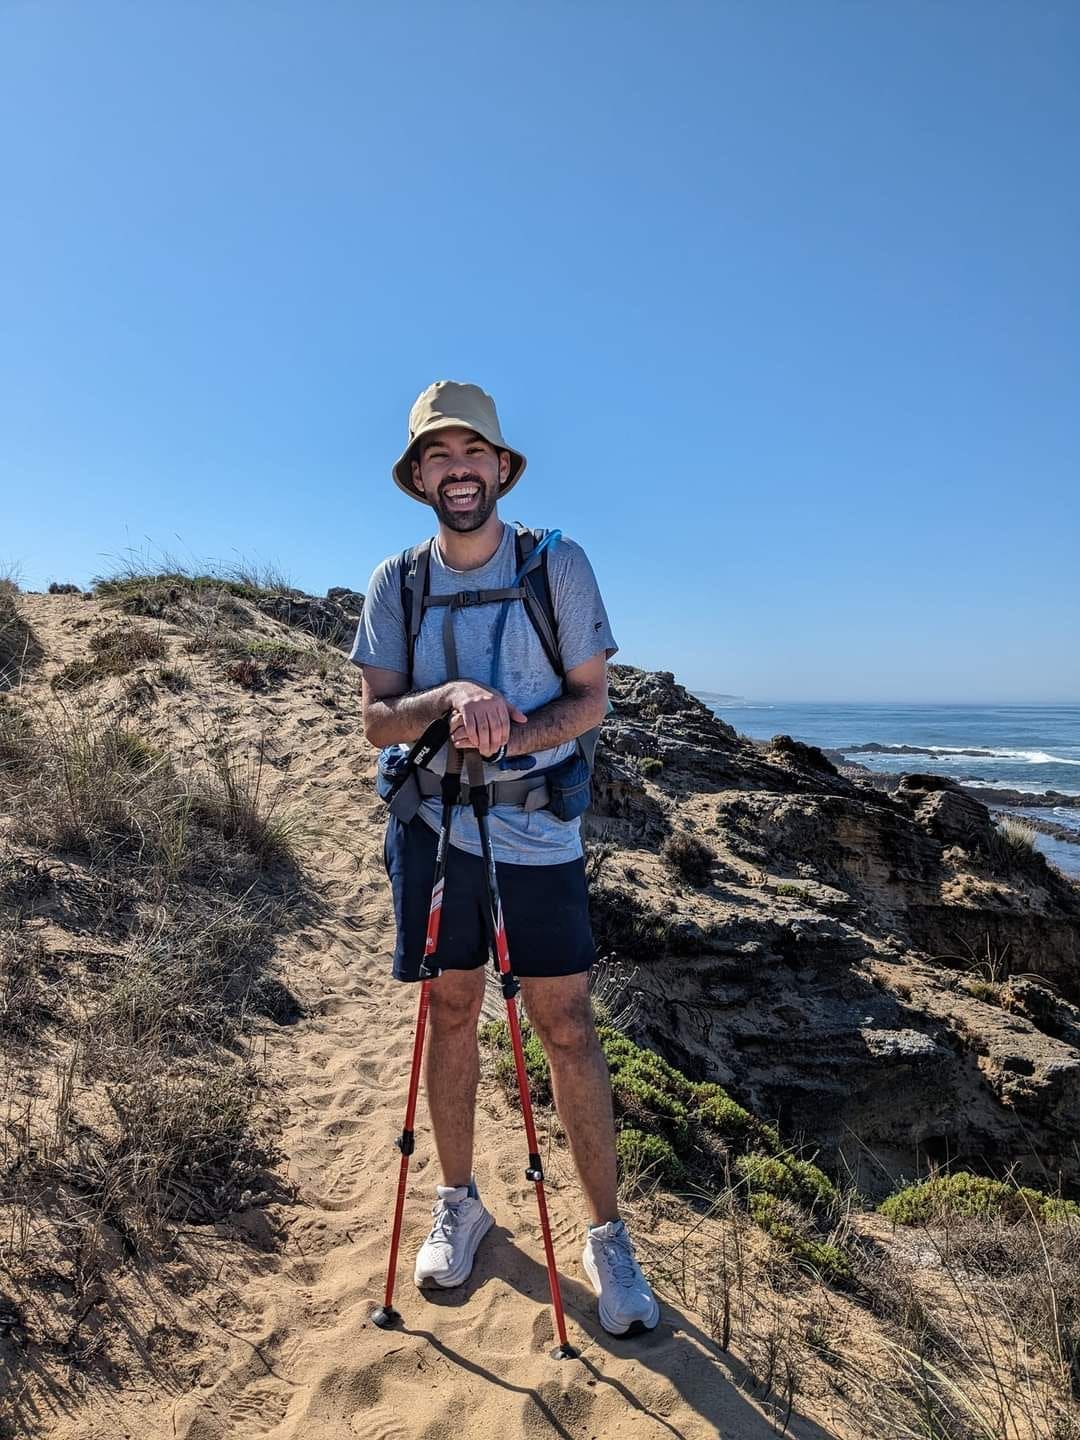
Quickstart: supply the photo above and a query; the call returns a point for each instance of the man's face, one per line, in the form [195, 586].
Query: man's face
[459, 474]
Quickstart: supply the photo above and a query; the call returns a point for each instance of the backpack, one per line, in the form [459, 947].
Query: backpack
[534, 590]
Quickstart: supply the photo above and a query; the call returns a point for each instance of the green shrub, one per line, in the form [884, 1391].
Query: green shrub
[642, 1156]
[669, 1126]
[734, 1124]
[650, 765]
[776, 1219]
[240, 581]
[644, 1104]
[964, 1194]
[786, 1179]
[496, 1033]
[276, 652]
[716, 1109]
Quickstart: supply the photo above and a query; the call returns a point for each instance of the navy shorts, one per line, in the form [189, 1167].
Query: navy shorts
[545, 908]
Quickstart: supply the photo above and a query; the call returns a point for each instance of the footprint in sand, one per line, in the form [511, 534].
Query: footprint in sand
[334, 1129]
[378, 1423]
[257, 1411]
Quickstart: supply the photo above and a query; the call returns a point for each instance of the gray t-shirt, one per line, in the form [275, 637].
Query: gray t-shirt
[521, 672]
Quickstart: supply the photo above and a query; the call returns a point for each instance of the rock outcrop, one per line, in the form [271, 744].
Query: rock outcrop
[886, 974]
[332, 619]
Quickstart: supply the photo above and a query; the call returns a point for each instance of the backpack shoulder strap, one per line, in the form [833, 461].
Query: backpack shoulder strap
[414, 576]
[539, 606]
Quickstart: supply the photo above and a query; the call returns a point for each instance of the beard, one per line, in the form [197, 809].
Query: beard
[465, 521]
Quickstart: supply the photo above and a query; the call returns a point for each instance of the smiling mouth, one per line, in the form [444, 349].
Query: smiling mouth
[461, 497]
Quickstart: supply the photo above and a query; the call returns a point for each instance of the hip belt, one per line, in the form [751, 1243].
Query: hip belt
[530, 794]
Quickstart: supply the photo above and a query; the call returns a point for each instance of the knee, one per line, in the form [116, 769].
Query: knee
[451, 1011]
[568, 1032]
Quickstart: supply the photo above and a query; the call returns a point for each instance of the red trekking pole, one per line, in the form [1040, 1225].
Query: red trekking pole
[386, 1316]
[500, 950]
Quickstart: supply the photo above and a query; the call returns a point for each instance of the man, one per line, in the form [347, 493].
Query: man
[506, 701]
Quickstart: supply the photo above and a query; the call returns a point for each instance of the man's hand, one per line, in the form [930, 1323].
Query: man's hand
[480, 718]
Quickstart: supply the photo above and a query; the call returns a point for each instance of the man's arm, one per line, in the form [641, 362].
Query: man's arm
[582, 705]
[393, 715]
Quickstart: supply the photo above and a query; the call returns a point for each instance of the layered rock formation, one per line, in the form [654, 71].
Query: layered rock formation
[887, 975]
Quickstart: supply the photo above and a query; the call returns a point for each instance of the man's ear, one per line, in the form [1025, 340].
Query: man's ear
[418, 484]
[504, 467]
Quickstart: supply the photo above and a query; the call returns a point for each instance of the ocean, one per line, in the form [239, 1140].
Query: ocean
[1020, 747]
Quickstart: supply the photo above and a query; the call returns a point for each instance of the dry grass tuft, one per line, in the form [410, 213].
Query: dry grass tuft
[24, 991]
[103, 791]
[19, 649]
[186, 1146]
[115, 652]
[690, 858]
[1013, 847]
[130, 1100]
[141, 575]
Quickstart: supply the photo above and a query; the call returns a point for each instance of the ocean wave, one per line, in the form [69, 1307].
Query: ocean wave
[1012, 785]
[978, 752]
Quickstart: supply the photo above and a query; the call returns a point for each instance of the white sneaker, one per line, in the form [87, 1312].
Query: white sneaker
[461, 1222]
[627, 1303]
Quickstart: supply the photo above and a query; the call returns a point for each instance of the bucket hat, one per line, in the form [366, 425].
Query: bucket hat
[446, 403]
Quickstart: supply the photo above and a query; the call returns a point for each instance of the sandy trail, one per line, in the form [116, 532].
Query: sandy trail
[286, 1347]
[472, 1362]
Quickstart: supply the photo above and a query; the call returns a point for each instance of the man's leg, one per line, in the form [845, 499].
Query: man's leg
[561, 1014]
[453, 1068]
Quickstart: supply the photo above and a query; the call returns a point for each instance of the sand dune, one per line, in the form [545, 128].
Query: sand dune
[274, 1338]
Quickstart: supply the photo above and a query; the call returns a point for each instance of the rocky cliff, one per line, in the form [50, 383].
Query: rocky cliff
[889, 975]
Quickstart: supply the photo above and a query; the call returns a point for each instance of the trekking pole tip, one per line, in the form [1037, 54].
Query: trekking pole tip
[565, 1352]
[385, 1317]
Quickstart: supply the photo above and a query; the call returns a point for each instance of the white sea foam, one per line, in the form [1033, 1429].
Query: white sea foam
[1012, 785]
[975, 752]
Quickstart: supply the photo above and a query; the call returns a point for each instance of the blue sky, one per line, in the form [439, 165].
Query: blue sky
[781, 301]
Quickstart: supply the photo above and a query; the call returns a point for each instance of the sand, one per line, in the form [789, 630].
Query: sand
[273, 1338]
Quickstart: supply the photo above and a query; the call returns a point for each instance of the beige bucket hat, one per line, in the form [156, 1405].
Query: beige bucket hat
[446, 403]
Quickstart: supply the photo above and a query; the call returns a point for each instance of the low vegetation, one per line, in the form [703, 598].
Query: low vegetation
[689, 857]
[105, 792]
[1013, 847]
[133, 1100]
[115, 651]
[138, 580]
[678, 1132]
[981, 1341]
[19, 649]
[221, 610]
[961, 1194]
